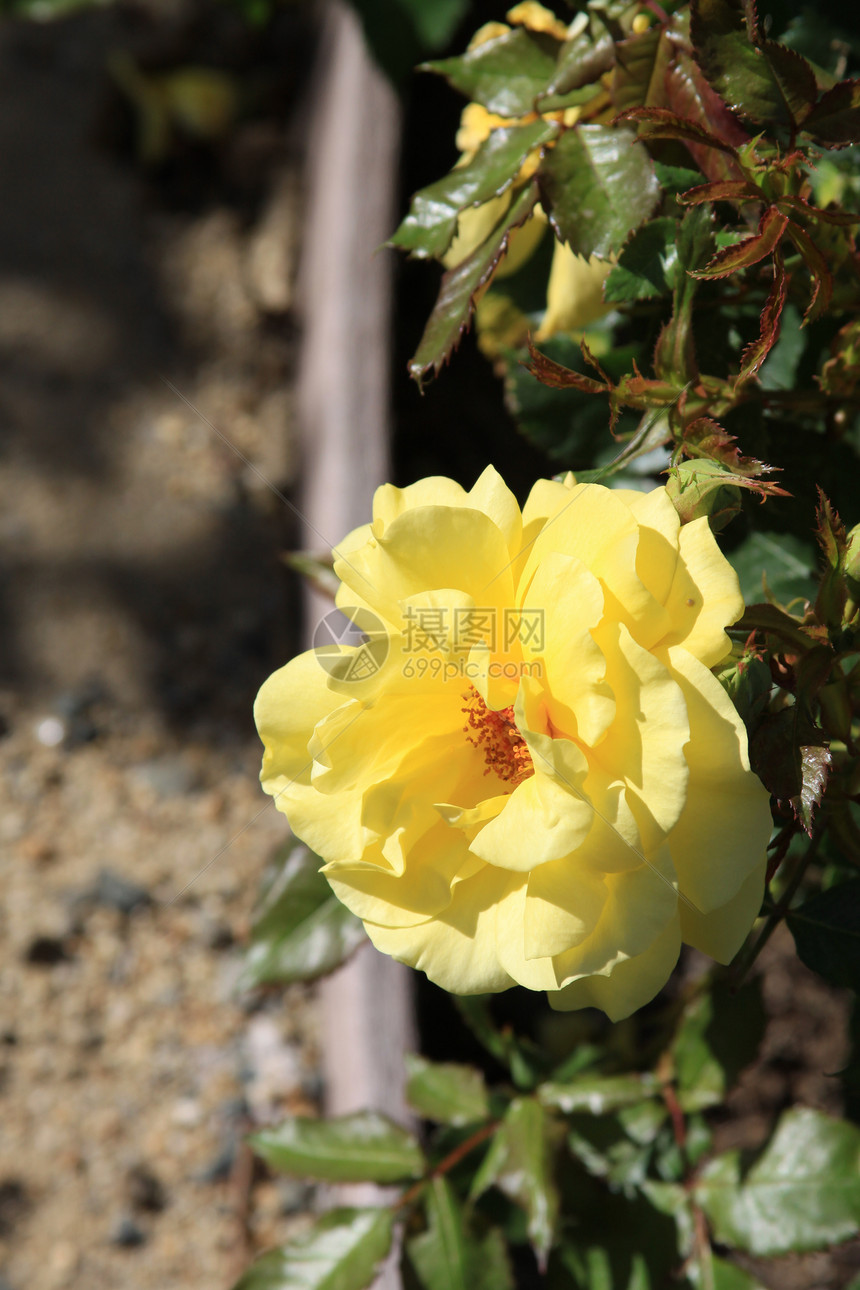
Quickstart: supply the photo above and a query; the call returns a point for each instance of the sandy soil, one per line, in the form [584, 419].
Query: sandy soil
[142, 603]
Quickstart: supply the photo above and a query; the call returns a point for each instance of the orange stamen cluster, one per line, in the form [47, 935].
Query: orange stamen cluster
[496, 734]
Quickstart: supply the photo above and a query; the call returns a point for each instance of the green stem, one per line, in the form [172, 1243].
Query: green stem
[752, 949]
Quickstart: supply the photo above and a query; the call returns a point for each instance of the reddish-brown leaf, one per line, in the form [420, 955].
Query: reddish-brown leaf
[593, 363]
[843, 218]
[750, 251]
[832, 590]
[705, 437]
[660, 123]
[690, 97]
[727, 190]
[829, 530]
[757, 351]
[559, 377]
[822, 278]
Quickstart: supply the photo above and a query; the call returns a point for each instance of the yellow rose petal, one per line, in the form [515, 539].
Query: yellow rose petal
[632, 983]
[574, 298]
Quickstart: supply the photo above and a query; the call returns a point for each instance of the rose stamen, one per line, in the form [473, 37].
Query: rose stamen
[496, 734]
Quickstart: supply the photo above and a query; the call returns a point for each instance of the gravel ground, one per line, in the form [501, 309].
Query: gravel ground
[141, 604]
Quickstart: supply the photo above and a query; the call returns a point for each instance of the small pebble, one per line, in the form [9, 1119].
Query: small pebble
[219, 936]
[187, 1112]
[116, 892]
[14, 1204]
[127, 1234]
[46, 951]
[221, 1166]
[145, 1191]
[168, 776]
[51, 732]
[295, 1196]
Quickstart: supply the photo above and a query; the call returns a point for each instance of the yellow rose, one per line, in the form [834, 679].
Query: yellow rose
[529, 773]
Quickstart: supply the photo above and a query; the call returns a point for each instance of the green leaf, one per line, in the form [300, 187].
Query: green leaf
[597, 184]
[300, 930]
[748, 683]
[764, 81]
[707, 1272]
[456, 300]
[803, 1193]
[441, 1254]
[489, 1264]
[641, 63]
[598, 1094]
[594, 1267]
[446, 1091]
[582, 60]
[617, 1148]
[703, 487]
[718, 1036]
[826, 931]
[787, 563]
[648, 264]
[506, 74]
[430, 226]
[677, 179]
[728, 1276]
[341, 1251]
[834, 122]
[362, 1147]
[448, 1257]
[520, 1163]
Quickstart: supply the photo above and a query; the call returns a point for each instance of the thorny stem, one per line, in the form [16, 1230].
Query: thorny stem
[751, 952]
[447, 1163]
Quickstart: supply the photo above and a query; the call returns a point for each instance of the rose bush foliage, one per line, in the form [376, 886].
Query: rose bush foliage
[538, 780]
